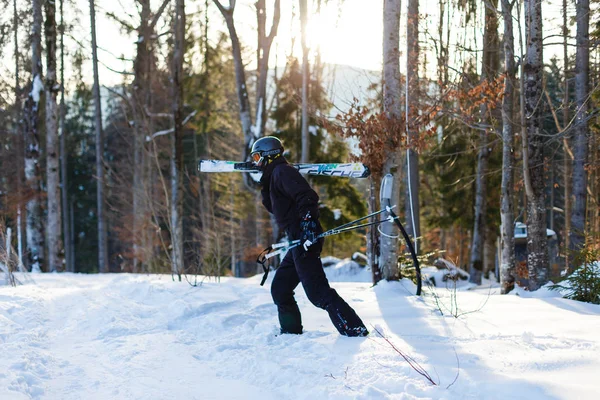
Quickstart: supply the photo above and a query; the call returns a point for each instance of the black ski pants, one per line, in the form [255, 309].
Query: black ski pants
[306, 267]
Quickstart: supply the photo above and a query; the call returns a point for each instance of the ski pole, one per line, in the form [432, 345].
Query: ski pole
[284, 246]
[268, 253]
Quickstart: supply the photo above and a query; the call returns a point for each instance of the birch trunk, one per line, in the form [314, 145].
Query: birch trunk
[412, 100]
[53, 224]
[488, 72]
[102, 246]
[537, 249]
[19, 138]
[507, 215]
[388, 246]
[305, 82]
[582, 70]
[177, 172]
[35, 227]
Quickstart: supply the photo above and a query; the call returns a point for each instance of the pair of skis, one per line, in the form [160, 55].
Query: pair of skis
[348, 170]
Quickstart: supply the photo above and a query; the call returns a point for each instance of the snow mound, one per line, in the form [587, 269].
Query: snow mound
[346, 271]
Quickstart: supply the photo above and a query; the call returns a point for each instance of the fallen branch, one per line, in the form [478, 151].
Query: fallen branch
[411, 361]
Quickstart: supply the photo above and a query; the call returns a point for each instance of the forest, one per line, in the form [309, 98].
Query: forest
[484, 112]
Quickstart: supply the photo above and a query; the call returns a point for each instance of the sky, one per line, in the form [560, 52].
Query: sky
[349, 32]
[130, 337]
[336, 31]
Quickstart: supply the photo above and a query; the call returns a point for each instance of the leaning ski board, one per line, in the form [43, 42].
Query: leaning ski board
[350, 170]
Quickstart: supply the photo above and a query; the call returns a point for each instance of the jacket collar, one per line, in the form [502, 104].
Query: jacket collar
[266, 177]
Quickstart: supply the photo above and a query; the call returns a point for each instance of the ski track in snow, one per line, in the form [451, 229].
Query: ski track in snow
[147, 337]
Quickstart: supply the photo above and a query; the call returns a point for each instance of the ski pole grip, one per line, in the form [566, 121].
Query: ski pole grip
[284, 244]
[273, 254]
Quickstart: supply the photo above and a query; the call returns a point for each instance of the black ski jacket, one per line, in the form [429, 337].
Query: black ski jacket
[288, 196]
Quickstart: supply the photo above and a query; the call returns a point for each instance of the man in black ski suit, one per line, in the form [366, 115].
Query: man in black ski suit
[287, 195]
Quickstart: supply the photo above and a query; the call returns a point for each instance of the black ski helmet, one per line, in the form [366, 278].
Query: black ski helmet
[266, 149]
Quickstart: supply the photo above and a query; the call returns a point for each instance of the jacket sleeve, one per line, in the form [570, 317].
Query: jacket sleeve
[296, 187]
[266, 198]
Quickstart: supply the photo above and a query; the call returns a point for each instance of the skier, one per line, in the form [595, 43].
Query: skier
[288, 196]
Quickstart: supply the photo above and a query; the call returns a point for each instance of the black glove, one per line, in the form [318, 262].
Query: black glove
[309, 231]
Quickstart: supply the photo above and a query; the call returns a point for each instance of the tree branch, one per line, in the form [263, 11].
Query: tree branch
[115, 71]
[128, 27]
[225, 10]
[171, 130]
[158, 14]
[274, 26]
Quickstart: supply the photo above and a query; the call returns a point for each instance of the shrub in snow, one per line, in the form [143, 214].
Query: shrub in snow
[584, 283]
[443, 272]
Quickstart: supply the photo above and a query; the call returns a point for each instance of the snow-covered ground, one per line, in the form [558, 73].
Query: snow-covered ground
[146, 337]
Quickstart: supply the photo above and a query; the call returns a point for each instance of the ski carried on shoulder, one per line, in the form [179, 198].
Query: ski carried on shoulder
[349, 170]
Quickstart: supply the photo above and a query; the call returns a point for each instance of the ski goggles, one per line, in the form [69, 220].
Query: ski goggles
[256, 157]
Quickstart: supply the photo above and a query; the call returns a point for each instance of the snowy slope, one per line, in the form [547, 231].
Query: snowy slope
[147, 337]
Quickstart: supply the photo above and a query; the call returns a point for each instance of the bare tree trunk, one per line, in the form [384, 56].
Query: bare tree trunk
[53, 225]
[35, 227]
[388, 245]
[537, 249]
[251, 133]
[18, 137]
[412, 100]
[373, 239]
[63, 152]
[305, 83]
[102, 245]
[142, 69]
[582, 66]
[567, 160]
[488, 72]
[240, 76]
[177, 266]
[507, 215]
[264, 49]
[232, 232]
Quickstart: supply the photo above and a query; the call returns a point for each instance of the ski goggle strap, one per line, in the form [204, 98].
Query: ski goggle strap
[259, 156]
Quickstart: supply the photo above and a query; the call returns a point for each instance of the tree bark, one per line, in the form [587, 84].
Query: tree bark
[142, 69]
[102, 245]
[264, 50]
[489, 69]
[35, 227]
[53, 224]
[177, 172]
[251, 132]
[507, 215]
[567, 160]
[19, 138]
[388, 245]
[305, 82]
[413, 226]
[582, 70]
[240, 77]
[69, 267]
[537, 249]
